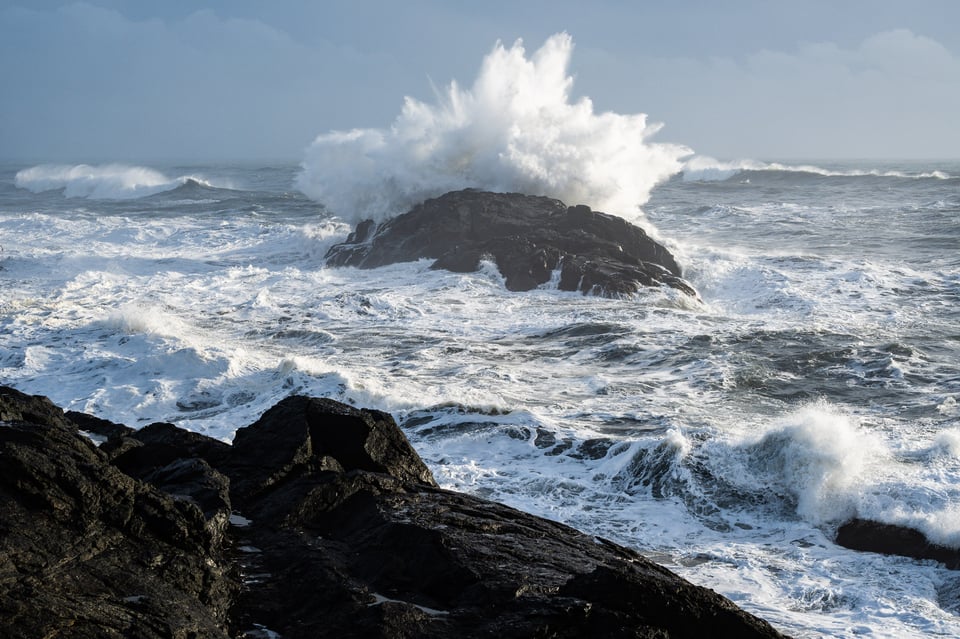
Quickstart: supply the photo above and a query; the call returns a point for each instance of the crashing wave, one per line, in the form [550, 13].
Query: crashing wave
[702, 168]
[515, 129]
[105, 182]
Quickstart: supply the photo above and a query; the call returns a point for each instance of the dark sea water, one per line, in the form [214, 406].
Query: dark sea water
[816, 379]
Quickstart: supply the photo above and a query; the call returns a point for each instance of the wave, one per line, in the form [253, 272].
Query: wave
[515, 129]
[830, 468]
[703, 168]
[820, 456]
[104, 182]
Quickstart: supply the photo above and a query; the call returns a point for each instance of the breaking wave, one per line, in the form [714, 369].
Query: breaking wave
[515, 129]
[706, 169]
[105, 182]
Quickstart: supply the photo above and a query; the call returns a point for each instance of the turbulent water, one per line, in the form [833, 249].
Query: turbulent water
[816, 379]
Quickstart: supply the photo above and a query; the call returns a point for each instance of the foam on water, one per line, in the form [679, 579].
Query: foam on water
[706, 168]
[727, 438]
[816, 455]
[514, 129]
[109, 181]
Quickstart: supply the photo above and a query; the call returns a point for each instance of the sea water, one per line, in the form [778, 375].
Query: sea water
[815, 378]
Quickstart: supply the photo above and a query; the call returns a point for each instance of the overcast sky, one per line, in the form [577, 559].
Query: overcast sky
[138, 80]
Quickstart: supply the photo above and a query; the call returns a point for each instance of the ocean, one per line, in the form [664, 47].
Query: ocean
[816, 378]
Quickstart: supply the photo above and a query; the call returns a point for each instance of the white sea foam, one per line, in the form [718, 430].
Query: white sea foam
[950, 407]
[675, 431]
[705, 169]
[515, 129]
[830, 468]
[138, 318]
[820, 456]
[105, 182]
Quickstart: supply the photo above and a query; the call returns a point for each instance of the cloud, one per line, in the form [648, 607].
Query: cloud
[895, 94]
[88, 83]
[906, 54]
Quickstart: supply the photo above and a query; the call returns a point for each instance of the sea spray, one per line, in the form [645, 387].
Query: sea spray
[104, 182]
[703, 168]
[818, 455]
[515, 129]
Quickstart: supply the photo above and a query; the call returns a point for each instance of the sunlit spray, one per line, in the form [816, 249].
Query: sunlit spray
[515, 130]
[99, 182]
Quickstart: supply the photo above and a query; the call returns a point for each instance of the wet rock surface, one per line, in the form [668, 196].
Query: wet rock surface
[87, 550]
[531, 239]
[321, 520]
[889, 539]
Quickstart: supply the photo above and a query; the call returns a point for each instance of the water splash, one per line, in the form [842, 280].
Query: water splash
[515, 129]
[703, 168]
[104, 182]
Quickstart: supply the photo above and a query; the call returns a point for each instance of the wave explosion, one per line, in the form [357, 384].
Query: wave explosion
[515, 129]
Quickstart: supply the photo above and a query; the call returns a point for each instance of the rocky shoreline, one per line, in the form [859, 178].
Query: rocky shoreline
[319, 520]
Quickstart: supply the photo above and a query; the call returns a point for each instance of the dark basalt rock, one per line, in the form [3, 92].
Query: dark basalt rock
[160, 444]
[430, 563]
[529, 238]
[341, 531]
[400, 557]
[20, 407]
[96, 426]
[302, 437]
[88, 551]
[889, 539]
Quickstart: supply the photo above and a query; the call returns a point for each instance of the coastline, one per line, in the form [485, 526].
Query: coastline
[320, 519]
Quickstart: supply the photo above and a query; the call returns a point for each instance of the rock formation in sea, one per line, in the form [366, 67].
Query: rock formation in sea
[320, 520]
[889, 539]
[531, 239]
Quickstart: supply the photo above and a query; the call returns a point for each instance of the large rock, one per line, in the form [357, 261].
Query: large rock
[301, 438]
[398, 561]
[530, 238]
[88, 551]
[891, 539]
[353, 538]
[341, 531]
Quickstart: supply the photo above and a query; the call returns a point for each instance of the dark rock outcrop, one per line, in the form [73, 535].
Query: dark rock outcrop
[88, 551]
[341, 531]
[530, 238]
[359, 511]
[890, 539]
[303, 438]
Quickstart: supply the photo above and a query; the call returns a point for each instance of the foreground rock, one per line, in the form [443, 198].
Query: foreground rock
[530, 239]
[338, 529]
[88, 551]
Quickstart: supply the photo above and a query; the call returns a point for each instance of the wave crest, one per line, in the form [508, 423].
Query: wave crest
[515, 129]
[105, 182]
[702, 168]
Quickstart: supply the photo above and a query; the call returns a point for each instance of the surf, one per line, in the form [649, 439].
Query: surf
[103, 182]
[517, 128]
[702, 168]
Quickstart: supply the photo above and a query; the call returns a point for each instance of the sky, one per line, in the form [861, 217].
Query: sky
[253, 80]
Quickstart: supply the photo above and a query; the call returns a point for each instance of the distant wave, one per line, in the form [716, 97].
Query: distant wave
[192, 187]
[702, 168]
[515, 129]
[105, 182]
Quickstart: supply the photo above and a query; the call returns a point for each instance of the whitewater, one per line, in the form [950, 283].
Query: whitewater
[816, 378]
